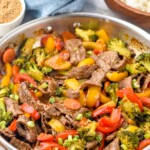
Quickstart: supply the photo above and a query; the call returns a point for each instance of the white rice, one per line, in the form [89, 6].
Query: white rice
[143, 5]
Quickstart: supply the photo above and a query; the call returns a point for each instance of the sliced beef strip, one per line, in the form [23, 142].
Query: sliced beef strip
[12, 106]
[20, 144]
[76, 50]
[110, 60]
[120, 64]
[114, 145]
[91, 145]
[111, 136]
[83, 72]
[146, 82]
[25, 94]
[52, 86]
[96, 79]
[127, 82]
[30, 134]
[44, 124]
[73, 94]
[7, 133]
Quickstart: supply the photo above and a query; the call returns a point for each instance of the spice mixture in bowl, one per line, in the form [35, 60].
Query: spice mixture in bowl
[9, 10]
[11, 15]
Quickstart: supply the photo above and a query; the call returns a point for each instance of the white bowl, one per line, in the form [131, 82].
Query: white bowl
[6, 27]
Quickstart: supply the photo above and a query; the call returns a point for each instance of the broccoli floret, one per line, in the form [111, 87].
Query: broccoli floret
[5, 117]
[86, 35]
[144, 60]
[128, 137]
[131, 110]
[39, 55]
[111, 90]
[26, 51]
[19, 62]
[59, 91]
[145, 126]
[74, 143]
[88, 133]
[135, 68]
[33, 71]
[135, 84]
[4, 92]
[46, 70]
[119, 46]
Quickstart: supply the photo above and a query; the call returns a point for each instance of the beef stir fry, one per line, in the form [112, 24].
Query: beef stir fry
[81, 90]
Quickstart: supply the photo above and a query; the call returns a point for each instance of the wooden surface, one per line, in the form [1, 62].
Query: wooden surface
[133, 15]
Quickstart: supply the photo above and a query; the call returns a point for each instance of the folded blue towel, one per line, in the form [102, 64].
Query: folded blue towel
[42, 8]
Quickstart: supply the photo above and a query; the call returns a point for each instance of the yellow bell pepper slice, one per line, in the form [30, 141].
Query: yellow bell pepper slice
[94, 45]
[56, 125]
[131, 128]
[87, 61]
[145, 93]
[57, 63]
[38, 94]
[8, 70]
[15, 88]
[82, 98]
[116, 76]
[92, 95]
[102, 34]
[110, 103]
[27, 115]
[103, 98]
[5, 81]
[50, 45]
[72, 83]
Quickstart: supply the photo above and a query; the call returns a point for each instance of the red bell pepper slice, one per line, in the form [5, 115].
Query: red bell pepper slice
[105, 129]
[143, 144]
[23, 77]
[128, 92]
[45, 137]
[64, 135]
[97, 51]
[121, 93]
[13, 125]
[145, 101]
[29, 109]
[102, 110]
[51, 145]
[113, 119]
[59, 44]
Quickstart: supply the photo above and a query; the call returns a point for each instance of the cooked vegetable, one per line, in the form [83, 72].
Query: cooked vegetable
[33, 71]
[128, 137]
[5, 117]
[86, 35]
[27, 49]
[102, 34]
[9, 55]
[135, 68]
[119, 46]
[39, 55]
[88, 133]
[116, 76]
[144, 60]
[72, 104]
[87, 61]
[4, 92]
[111, 90]
[46, 70]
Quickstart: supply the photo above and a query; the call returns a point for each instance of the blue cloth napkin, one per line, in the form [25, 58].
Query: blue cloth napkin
[42, 8]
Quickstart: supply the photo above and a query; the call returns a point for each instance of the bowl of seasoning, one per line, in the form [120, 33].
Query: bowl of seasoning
[135, 11]
[11, 15]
